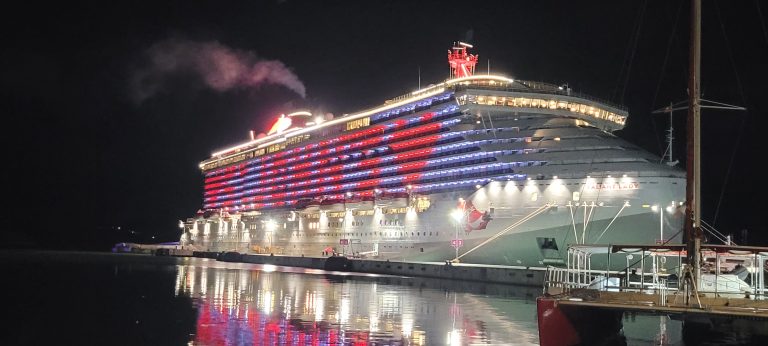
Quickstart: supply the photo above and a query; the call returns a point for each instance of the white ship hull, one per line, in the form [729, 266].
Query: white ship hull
[622, 213]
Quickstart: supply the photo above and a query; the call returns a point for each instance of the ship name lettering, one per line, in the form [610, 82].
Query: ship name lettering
[633, 185]
[275, 147]
[359, 123]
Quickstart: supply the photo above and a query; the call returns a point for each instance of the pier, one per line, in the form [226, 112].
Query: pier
[730, 290]
[513, 275]
[498, 274]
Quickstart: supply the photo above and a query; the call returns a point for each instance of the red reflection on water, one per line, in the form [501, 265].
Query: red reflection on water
[220, 326]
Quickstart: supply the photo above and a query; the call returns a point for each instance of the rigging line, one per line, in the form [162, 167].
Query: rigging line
[610, 223]
[712, 230]
[573, 222]
[615, 91]
[584, 186]
[719, 238]
[704, 223]
[762, 22]
[599, 191]
[663, 68]
[743, 119]
[592, 208]
[511, 227]
[634, 49]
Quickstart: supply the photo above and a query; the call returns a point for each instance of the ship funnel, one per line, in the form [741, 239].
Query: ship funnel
[462, 63]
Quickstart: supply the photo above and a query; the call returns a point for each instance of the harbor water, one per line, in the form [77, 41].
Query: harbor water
[128, 299]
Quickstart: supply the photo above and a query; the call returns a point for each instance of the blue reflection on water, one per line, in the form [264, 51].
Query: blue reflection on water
[245, 304]
[74, 298]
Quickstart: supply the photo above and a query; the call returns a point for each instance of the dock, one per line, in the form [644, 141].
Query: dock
[487, 273]
[512, 275]
[732, 287]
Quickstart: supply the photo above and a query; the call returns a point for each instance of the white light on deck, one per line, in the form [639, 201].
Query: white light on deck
[268, 268]
[457, 215]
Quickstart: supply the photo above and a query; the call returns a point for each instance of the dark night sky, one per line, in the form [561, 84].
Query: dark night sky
[86, 156]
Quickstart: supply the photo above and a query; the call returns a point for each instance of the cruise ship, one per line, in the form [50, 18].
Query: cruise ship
[480, 168]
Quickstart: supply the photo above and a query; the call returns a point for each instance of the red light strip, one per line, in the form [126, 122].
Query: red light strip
[398, 158]
[358, 145]
[230, 171]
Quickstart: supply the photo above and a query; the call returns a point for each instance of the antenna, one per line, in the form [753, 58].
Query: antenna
[676, 106]
[680, 105]
[670, 136]
[419, 88]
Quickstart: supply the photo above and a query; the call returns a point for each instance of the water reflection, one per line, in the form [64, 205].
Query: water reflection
[246, 304]
[108, 299]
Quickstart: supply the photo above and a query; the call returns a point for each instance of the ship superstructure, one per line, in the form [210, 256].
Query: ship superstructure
[483, 168]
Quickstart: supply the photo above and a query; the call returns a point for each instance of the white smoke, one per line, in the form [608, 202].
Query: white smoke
[221, 68]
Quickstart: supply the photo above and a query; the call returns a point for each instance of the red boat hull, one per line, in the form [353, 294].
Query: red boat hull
[555, 329]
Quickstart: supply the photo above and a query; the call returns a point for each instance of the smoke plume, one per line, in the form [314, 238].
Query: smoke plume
[219, 67]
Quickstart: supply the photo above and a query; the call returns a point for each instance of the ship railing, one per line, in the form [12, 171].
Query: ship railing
[728, 271]
[563, 280]
[544, 91]
[558, 280]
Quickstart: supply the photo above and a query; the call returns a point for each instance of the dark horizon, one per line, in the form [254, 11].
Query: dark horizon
[105, 132]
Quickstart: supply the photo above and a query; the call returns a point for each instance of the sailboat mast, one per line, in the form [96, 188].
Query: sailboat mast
[693, 145]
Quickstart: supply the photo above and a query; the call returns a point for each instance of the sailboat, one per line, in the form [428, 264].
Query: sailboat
[693, 282]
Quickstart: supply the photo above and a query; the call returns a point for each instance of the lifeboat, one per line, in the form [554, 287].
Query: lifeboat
[309, 205]
[332, 205]
[392, 200]
[359, 203]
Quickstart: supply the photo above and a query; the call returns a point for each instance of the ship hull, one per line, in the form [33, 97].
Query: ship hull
[520, 232]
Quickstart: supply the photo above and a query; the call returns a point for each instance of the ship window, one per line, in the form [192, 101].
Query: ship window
[576, 195]
[547, 243]
[534, 197]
